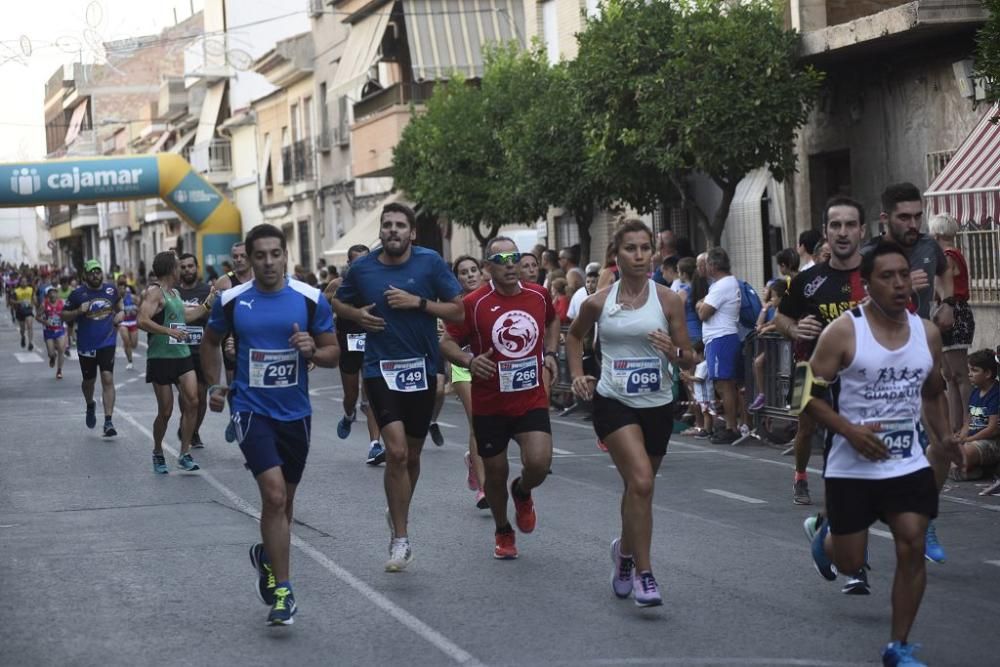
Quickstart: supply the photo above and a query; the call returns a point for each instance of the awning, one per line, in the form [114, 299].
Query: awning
[449, 36]
[365, 231]
[360, 51]
[76, 121]
[158, 146]
[743, 235]
[182, 143]
[969, 185]
[209, 116]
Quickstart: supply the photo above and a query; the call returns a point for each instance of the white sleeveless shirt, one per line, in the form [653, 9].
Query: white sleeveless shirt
[882, 386]
[632, 370]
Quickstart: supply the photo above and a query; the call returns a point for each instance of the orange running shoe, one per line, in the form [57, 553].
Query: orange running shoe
[524, 508]
[505, 548]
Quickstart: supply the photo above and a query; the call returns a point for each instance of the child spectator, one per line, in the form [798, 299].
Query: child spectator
[704, 395]
[980, 436]
[765, 323]
[560, 300]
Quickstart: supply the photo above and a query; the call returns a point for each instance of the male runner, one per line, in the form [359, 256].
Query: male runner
[242, 273]
[24, 298]
[351, 338]
[884, 367]
[64, 290]
[194, 293]
[280, 325]
[816, 297]
[164, 316]
[513, 332]
[396, 294]
[97, 308]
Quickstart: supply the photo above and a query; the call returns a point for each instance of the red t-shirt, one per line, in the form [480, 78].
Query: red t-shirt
[514, 328]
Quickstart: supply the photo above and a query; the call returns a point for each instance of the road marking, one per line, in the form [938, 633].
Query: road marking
[881, 533]
[556, 450]
[704, 662]
[418, 627]
[563, 422]
[736, 496]
[988, 562]
[27, 357]
[446, 424]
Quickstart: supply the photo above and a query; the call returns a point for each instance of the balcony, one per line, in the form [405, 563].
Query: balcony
[213, 158]
[297, 162]
[379, 123]
[395, 95]
[86, 215]
[84, 145]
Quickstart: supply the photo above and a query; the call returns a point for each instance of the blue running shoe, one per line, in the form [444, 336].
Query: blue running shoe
[816, 529]
[857, 584]
[91, 414]
[160, 464]
[898, 653]
[266, 582]
[186, 463]
[283, 609]
[344, 426]
[231, 431]
[933, 551]
[376, 454]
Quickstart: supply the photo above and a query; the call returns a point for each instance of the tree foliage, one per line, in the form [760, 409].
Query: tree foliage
[988, 52]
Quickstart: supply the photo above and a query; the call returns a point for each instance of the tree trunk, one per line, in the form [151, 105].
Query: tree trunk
[584, 219]
[483, 239]
[703, 224]
[721, 213]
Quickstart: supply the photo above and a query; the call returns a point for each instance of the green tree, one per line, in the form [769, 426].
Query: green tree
[988, 52]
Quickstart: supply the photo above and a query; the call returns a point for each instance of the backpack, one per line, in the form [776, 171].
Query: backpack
[750, 305]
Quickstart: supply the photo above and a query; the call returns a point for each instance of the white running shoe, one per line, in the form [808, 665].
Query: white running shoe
[128, 366]
[400, 555]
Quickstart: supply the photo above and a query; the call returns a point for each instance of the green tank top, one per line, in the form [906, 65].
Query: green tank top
[172, 315]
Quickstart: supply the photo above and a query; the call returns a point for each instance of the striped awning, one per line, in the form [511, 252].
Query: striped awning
[448, 36]
[969, 186]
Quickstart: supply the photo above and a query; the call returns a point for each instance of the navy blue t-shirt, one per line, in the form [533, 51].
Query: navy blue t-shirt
[408, 333]
[95, 329]
[982, 407]
[271, 377]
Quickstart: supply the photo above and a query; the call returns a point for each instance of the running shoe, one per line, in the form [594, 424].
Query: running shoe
[266, 583]
[185, 462]
[128, 366]
[524, 509]
[196, 442]
[59, 375]
[283, 610]
[231, 431]
[400, 555]
[435, 433]
[933, 551]
[991, 490]
[621, 573]
[800, 492]
[160, 464]
[31, 346]
[505, 548]
[52, 361]
[470, 479]
[816, 529]
[109, 429]
[344, 426]
[647, 592]
[376, 454]
[758, 403]
[857, 584]
[703, 435]
[898, 653]
[69, 353]
[91, 415]
[724, 437]
[481, 501]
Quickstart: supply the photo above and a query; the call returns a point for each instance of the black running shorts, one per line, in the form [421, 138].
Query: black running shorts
[350, 362]
[413, 408]
[853, 505]
[494, 432]
[167, 371]
[657, 423]
[91, 360]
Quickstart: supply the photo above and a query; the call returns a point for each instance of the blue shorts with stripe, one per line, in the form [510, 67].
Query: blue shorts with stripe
[269, 443]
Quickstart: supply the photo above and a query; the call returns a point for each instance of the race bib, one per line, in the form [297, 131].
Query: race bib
[90, 354]
[273, 369]
[194, 334]
[519, 375]
[898, 435]
[53, 322]
[636, 375]
[406, 375]
[355, 342]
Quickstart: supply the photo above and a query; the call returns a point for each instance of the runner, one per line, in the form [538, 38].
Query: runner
[98, 307]
[396, 294]
[280, 325]
[194, 292]
[129, 329]
[512, 331]
[351, 338]
[24, 309]
[54, 334]
[816, 297]
[163, 316]
[888, 363]
[643, 332]
[470, 276]
[241, 274]
[65, 289]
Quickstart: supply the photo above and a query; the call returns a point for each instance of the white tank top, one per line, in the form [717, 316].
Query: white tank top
[882, 386]
[632, 370]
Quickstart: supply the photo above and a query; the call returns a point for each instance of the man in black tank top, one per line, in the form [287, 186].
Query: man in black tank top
[194, 292]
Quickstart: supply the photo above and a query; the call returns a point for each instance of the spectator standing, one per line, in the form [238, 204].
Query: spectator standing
[957, 339]
[719, 312]
[807, 246]
[666, 248]
[788, 264]
[560, 300]
[550, 263]
[765, 324]
[687, 279]
[528, 269]
[569, 260]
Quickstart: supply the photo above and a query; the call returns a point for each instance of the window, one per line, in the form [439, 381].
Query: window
[567, 231]
[343, 121]
[324, 115]
[296, 127]
[286, 156]
[305, 252]
[550, 30]
[307, 110]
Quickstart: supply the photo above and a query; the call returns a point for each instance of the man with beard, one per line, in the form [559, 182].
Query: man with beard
[397, 294]
[902, 215]
[194, 292]
[241, 274]
[97, 307]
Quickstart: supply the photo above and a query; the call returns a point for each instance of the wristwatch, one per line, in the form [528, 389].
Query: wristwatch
[949, 301]
[423, 304]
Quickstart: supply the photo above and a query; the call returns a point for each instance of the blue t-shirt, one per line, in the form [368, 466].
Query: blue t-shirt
[271, 377]
[408, 334]
[691, 318]
[981, 408]
[95, 329]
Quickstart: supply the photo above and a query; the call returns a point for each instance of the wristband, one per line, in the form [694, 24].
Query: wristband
[213, 387]
[950, 301]
[423, 304]
[550, 353]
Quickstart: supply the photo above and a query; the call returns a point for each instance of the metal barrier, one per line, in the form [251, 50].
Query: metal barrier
[778, 367]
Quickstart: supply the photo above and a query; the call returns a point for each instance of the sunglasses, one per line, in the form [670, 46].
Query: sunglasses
[504, 258]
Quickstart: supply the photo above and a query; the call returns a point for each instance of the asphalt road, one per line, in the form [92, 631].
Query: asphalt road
[104, 563]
